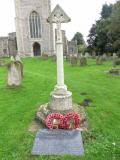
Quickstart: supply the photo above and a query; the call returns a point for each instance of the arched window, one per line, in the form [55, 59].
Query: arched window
[35, 26]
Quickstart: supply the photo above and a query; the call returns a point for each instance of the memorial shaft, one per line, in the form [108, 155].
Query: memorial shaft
[60, 63]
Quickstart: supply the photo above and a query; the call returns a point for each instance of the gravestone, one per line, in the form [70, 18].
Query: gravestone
[58, 142]
[114, 60]
[73, 60]
[99, 60]
[15, 72]
[45, 56]
[93, 55]
[83, 61]
[114, 70]
[87, 55]
[104, 57]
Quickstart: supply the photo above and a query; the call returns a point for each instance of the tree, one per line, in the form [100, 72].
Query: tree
[114, 30]
[106, 11]
[99, 39]
[102, 40]
[91, 39]
[79, 38]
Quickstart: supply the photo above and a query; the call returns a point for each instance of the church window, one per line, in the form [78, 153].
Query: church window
[35, 26]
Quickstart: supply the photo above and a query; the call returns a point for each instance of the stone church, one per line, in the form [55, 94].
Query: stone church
[34, 35]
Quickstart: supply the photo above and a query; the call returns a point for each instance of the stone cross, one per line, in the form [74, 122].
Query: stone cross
[58, 16]
[61, 98]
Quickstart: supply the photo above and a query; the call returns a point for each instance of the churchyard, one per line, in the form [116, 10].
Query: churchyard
[18, 107]
[61, 104]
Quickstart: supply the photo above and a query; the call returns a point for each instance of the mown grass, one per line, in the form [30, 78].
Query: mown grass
[18, 107]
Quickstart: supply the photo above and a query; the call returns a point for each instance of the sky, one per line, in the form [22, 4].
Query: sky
[83, 14]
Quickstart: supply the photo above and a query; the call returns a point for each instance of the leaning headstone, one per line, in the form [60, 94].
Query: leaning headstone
[114, 70]
[58, 142]
[99, 60]
[15, 73]
[83, 61]
[73, 60]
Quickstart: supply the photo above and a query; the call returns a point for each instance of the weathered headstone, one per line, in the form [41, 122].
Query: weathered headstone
[87, 55]
[58, 142]
[45, 56]
[83, 61]
[99, 60]
[104, 57]
[93, 55]
[114, 60]
[73, 60]
[15, 73]
[114, 70]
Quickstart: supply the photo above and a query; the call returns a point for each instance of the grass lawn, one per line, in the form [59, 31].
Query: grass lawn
[18, 108]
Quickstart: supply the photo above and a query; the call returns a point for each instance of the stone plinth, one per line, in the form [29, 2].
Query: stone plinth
[60, 101]
[58, 142]
[44, 110]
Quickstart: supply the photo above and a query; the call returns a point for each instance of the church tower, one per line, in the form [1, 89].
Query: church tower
[34, 33]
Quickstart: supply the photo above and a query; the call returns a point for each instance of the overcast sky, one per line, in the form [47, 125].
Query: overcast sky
[83, 14]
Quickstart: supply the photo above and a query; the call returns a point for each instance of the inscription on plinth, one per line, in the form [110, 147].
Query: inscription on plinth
[58, 142]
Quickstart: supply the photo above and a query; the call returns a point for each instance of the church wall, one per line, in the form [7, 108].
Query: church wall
[25, 42]
[8, 45]
[3, 46]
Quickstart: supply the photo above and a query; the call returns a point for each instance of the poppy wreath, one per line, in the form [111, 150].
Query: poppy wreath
[74, 117]
[64, 120]
[51, 117]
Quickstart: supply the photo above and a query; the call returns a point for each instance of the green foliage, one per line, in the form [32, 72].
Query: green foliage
[104, 36]
[114, 30]
[106, 11]
[79, 38]
[81, 48]
[91, 40]
[18, 107]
